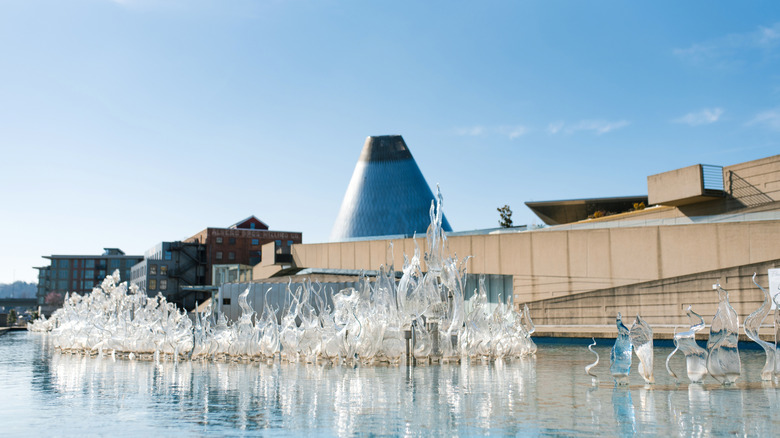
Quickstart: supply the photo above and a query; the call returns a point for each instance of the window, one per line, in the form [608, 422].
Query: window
[75, 284]
[231, 255]
[289, 243]
[152, 284]
[219, 255]
[63, 273]
[89, 274]
[63, 264]
[252, 226]
[88, 284]
[163, 269]
[232, 241]
[255, 242]
[75, 274]
[89, 264]
[225, 301]
[278, 243]
[163, 284]
[62, 284]
[168, 255]
[114, 264]
[219, 240]
[102, 274]
[152, 269]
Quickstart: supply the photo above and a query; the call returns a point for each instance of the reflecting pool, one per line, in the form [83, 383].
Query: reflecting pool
[49, 393]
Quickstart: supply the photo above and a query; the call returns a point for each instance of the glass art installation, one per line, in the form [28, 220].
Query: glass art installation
[620, 357]
[723, 362]
[588, 368]
[753, 323]
[695, 356]
[642, 340]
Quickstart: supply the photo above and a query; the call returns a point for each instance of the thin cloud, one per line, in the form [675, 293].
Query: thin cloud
[731, 49]
[472, 131]
[703, 117]
[555, 127]
[510, 131]
[598, 126]
[769, 119]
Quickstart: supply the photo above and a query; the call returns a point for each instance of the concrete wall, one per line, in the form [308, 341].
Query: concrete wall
[676, 187]
[660, 301]
[548, 263]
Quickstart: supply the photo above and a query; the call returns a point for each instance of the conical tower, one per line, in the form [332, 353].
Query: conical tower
[387, 194]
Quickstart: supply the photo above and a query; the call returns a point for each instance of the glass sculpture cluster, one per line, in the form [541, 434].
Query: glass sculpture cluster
[421, 317]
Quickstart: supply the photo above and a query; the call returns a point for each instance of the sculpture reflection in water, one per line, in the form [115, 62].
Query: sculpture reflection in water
[295, 399]
[368, 324]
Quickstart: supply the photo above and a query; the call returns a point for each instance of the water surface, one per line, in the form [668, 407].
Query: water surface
[49, 393]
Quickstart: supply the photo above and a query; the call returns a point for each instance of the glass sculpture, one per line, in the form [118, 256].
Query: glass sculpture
[642, 340]
[620, 357]
[753, 323]
[695, 356]
[723, 361]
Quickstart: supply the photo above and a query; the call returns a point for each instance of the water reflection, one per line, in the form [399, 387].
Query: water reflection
[546, 395]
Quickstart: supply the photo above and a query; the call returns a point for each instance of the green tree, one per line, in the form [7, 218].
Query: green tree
[506, 216]
[11, 319]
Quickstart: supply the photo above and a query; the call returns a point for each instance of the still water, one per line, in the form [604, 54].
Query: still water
[48, 393]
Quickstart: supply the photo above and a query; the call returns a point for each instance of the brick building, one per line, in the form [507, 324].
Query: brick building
[242, 242]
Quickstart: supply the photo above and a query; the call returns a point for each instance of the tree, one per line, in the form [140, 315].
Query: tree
[12, 317]
[506, 216]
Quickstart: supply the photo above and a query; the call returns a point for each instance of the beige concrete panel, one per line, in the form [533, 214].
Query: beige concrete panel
[378, 253]
[733, 244]
[578, 254]
[634, 254]
[550, 254]
[764, 241]
[479, 262]
[334, 256]
[675, 186]
[515, 254]
[347, 255]
[461, 246]
[363, 256]
[599, 256]
[492, 254]
[688, 249]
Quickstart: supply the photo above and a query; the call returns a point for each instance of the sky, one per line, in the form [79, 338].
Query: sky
[127, 123]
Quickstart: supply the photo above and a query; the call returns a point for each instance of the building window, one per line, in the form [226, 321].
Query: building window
[219, 255]
[88, 284]
[232, 241]
[164, 270]
[255, 242]
[225, 301]
[89, 264]
[252, 226]
[168, 255]
[114, 264]
[152, 269]
[163, 284]
[63, 273]
[63, 264]
[289, 243]
[89, 274]
[75, 274]
[152, 284]
[231, 255]
[62, 285]
[219, 240]
[278, 243]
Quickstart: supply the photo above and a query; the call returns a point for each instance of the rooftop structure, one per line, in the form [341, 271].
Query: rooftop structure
[387, 194]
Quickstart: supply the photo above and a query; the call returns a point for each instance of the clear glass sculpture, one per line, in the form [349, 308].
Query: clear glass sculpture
[695, 356]
[753, 323]
[723, 361]
[620, 357]
[642, 340]
[588, 368]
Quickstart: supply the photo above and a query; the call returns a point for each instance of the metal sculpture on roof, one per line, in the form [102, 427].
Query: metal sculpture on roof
[387, 194]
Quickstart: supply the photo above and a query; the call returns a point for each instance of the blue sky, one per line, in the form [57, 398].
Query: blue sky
[126, 123]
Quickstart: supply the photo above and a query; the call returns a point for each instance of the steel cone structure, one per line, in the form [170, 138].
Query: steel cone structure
[387, 194]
